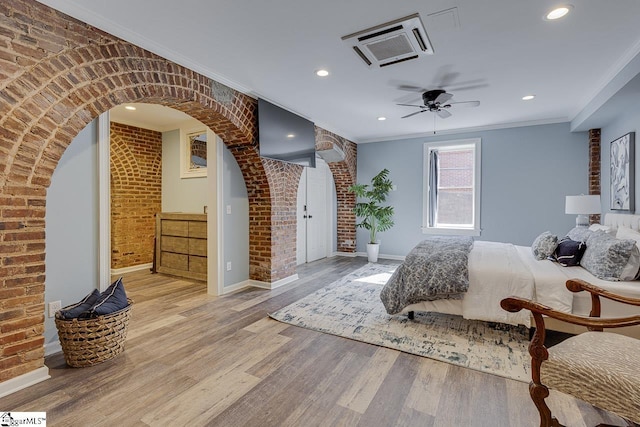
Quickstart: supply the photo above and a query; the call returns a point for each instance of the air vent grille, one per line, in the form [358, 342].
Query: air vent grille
[391, 47]
[391, 43]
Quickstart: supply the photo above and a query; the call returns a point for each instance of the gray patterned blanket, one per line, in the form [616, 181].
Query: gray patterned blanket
[437, 268]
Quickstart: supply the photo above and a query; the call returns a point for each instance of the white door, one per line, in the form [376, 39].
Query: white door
[313, 216]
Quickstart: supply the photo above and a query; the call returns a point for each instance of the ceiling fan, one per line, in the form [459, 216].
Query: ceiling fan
[437, 101]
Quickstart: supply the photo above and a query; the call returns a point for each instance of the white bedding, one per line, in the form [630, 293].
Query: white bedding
[496, 271]
[500, 270]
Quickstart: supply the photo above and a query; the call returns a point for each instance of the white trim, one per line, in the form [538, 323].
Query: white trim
[52, 347]
[23, 381]
[609, 84]
[383, 256]
[236, 287]
[273, 285]
[124, 270]
[345, 254]
[82, 13]
[104, 201]
[451, 231]
[215, 215]
[470, 143]
[459, 131]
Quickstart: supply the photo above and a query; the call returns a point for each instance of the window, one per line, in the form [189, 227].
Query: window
[452, 187]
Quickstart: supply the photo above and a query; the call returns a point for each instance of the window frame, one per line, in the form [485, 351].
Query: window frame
[476, 144]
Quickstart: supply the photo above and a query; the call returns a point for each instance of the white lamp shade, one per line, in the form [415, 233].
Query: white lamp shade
[582, 205]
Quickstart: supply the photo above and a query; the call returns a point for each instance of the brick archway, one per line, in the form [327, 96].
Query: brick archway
[56, 75]
[344, 176]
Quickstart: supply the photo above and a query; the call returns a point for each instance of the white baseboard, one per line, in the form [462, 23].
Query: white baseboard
[273, 285]
[23, 381]
[124, 270]
[236, 287]
[52, 347]
[345, 254]
[383, 256]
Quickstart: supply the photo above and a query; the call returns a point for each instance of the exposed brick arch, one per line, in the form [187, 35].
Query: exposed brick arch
[136, 193]
[344, 176]
[56, 75]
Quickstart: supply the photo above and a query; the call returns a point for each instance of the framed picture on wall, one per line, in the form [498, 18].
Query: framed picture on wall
[622, 156]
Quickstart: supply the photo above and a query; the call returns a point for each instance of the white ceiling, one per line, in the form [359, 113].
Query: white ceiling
[503, 49]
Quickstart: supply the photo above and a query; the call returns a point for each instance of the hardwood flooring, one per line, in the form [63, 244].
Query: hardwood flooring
[193, 359]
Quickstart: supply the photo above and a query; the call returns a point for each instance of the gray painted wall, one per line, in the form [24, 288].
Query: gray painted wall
[179, 195]
[526, 174]
[235, 225]
[190, 195]
[627, 121]
[72, 226]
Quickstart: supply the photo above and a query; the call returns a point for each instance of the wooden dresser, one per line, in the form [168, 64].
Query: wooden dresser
[181, 245]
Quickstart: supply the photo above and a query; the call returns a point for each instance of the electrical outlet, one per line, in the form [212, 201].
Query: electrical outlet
[54, 306]
[228, 209]
[228, 265]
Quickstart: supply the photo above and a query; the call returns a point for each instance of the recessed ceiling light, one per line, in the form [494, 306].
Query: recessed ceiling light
[130, 108]
[322, 73]
[558, 12]
[528, 97]
[382, 118]
[291, 135]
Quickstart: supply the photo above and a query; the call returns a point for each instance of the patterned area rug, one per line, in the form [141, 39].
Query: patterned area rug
[351, 308]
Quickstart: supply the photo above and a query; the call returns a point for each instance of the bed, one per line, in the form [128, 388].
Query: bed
[499, 270]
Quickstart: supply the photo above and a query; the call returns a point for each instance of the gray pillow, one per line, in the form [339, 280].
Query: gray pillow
[606, 256]
[544, 245]
[580, 234]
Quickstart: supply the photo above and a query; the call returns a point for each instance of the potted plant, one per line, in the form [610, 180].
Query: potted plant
[375, 217]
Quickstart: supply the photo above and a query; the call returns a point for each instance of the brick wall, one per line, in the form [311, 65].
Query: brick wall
[344, 176]
[56, 75]
[594, 168]
[136, 193]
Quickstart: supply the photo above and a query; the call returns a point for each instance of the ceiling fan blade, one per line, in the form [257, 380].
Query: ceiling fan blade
[413, 114]
[443, 97]
[411, 105]
[468, 87]
[443, 113]
[466, 103]
[411, 88]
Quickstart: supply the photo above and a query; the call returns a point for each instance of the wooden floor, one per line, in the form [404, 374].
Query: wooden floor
[192, 359]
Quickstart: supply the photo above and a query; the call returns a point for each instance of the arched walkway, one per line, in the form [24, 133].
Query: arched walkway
[56, 75]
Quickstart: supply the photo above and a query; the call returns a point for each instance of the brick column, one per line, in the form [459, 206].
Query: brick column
[594, 168]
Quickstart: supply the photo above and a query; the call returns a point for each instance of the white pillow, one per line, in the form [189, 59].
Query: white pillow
[606, 228]
[632, 270]
[628, 233]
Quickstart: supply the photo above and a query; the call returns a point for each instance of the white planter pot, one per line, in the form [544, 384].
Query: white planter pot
[372, 251]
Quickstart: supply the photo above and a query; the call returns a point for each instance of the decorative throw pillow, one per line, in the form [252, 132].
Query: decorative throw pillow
[83, 306]
[606, 257]
[544, 245]
[113, 298]
[632, 269]
[579, 234]
[569, 252]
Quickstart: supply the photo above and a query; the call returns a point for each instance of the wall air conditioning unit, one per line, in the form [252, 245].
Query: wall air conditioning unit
[397, 41]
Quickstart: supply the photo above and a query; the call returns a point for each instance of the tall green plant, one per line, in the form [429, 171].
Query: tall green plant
[375, 217]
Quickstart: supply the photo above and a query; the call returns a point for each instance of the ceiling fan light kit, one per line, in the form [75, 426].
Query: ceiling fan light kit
[437, 101]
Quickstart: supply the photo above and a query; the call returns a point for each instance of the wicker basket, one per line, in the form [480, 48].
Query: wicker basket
[87, 342]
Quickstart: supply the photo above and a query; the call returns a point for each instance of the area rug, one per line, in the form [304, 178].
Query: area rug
[351, 308]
